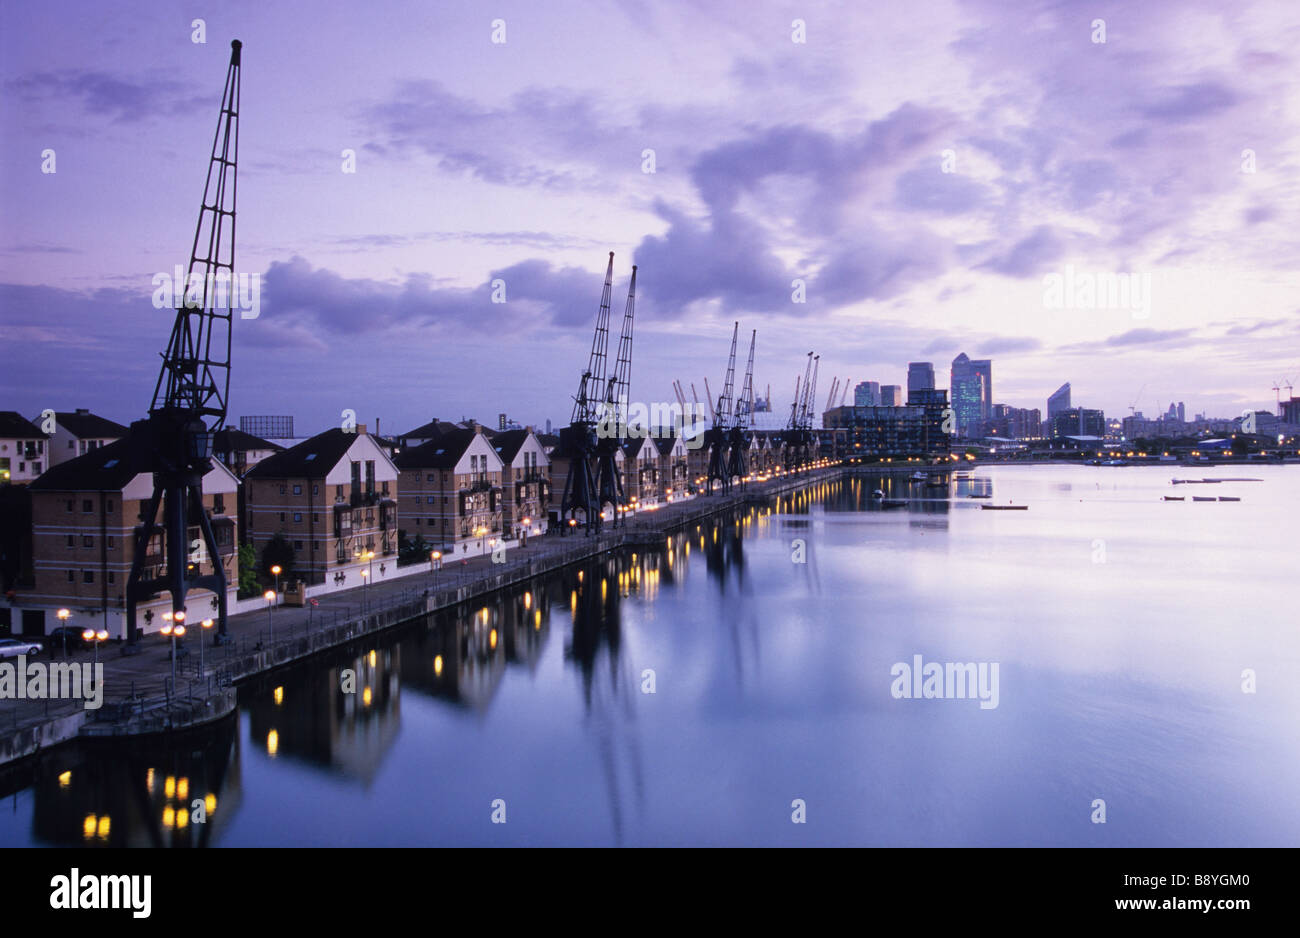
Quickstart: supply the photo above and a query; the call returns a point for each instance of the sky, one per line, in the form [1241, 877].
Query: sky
[918, 174]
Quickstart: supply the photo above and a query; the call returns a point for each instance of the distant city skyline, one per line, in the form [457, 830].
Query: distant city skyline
[794, 187]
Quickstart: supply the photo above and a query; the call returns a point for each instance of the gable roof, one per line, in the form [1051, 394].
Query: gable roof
[665, 443]
[633, 446]
[106, 469]
[440, 453]
[313, 458]
[82, 424]
[14, 426]
[428, 431]
[234, 440]
[507, 443]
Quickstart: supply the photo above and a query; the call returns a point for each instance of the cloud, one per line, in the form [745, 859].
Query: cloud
[118, 98]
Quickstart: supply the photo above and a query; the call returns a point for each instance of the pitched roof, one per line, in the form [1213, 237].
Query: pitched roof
[664, 443]
[440, 453]
[507, 443]
[83, 424]
[429, 430]
[313, 458]
[548, 439]
[633, 447]
[234, 440]
[106, 469]
[14, 426]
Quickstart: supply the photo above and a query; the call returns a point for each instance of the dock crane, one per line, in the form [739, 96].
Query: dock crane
[718, 436]
[830, 398]
[578, 439]
[739, 437]
[612, 432]
[793, 437]
[191, 394]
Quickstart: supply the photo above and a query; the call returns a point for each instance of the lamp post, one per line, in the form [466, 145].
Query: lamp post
[207, 624]
[269, 596]
[94, 638]
[523, 536]
[368, 556]
[173, 628]
[275, 572]
[435, 562]
[64, 615]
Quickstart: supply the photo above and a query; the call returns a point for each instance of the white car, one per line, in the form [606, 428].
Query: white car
[12, 648]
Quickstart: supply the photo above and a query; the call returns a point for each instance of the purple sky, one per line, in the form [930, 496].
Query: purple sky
[775, 160]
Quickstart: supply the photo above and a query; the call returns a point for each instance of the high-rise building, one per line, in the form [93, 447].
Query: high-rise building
[1078, 421]
[867, 394]
[1182, 413]
[891, 395]
[920, 377]
[972, 394]
[1058, 402]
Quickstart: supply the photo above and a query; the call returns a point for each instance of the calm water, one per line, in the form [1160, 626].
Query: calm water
[1121, 625]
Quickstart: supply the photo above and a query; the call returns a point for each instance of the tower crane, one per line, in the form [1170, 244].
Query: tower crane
[739, 435]
[830, 398]
[793, 436]
[718, 435]
[190, 396]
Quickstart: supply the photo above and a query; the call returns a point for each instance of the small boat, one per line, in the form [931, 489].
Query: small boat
[1204, 498]
[919, 477]
[1229, 498]
[894, 503]
[1174, 498]
[975, 495]
[1004, 507]
[877, 494]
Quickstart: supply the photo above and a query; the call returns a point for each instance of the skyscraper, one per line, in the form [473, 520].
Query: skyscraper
[867, 394]
[972, 394]
[920, 377]
[1059, 401]
[891, 395]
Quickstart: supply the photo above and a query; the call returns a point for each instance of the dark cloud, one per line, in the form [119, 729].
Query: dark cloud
[117, 98]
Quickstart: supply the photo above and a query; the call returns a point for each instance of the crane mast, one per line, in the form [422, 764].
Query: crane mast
[190, 397]
[718, 435]
[739, 436]
[612, 433]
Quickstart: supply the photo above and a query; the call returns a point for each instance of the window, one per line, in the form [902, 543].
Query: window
[219, 504]
[87, 541]
[432, 500]
[36, 468]
[111, 578]
[297, 517]
[282, 490]
[87, 576]
[338, 492]
[282, 517]
[72, 540]
[383, 487]
[87, 506]
[112, 542]
[315, 518]
[315, 489]
[72, 444]
[69, 504]
[297, 490]
[430, 477]
[109, 504]
[297, 545]
[72, 577]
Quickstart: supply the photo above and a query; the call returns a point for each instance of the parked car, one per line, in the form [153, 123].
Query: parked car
[54, 641]
[13, 647]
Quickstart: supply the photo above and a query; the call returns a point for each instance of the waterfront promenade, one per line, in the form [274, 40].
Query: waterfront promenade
[138, 693]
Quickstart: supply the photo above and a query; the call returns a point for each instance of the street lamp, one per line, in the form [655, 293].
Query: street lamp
[64, 615]
[207, 624]
[269, 596]
[523, 536]
[275, 572]
[94, 638]
[173, 629]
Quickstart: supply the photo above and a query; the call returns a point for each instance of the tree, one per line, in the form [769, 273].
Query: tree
[411, 551]
[279, 551]
[247, 569]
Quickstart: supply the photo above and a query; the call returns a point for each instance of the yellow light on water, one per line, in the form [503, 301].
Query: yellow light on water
[210, 803]
[169, 786]
[437, 665]
[279, 696]
[272, 742]
[65, 779]
[105, 826]
[88, 826]
[366, 697]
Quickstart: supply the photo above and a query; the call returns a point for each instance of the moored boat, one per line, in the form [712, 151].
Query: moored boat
[1175, 498]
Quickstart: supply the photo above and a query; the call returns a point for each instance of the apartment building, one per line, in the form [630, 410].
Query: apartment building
[641, 471]
[674, 475]
[333, 498]
[241, 451]
[86, 512]
[525, 481]
[23, 456]
[78, 432]
[451, 495]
